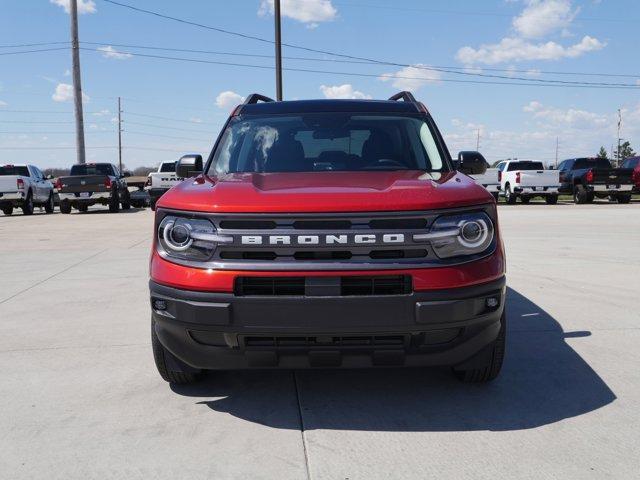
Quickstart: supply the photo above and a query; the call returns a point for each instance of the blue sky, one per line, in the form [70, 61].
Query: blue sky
[520, 38]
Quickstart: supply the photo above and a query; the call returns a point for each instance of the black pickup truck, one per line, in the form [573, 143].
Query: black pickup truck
[587, 178]
[92, 183]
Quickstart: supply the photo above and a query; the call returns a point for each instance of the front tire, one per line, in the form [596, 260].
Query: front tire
[489, 360]
[65, 207]
[509, 196]
[27, 207]
[50, 205]
[8, 210]
[525, 200]
[166, 363]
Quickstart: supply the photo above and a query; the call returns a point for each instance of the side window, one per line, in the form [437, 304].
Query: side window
[562, 165]
[115, 171]
[501, 166]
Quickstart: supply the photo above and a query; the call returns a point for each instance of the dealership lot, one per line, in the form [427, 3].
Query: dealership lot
[81, 398]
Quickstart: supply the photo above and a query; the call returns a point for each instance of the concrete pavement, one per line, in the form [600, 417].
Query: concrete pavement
[80, 396]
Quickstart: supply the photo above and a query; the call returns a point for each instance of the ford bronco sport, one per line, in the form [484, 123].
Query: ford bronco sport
[328, 233]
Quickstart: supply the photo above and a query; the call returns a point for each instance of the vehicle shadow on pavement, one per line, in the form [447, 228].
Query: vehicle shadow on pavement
[543, 381]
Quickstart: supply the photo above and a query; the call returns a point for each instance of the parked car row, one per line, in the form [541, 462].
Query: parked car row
[582, 178]
[25, 186]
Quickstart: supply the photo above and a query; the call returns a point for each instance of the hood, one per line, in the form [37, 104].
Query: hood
[324, 192]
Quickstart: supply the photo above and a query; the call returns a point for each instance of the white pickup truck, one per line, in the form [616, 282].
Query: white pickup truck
[526, 179]
[489, 180]
[24, 186]
[161, 181]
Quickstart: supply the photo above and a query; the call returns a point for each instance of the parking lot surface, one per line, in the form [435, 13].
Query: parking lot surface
[80, 396]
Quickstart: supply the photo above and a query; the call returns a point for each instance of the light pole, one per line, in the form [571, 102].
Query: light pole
[77, 87]
[278, 42]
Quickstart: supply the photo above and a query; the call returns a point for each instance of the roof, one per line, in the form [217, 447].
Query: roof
[313, 106]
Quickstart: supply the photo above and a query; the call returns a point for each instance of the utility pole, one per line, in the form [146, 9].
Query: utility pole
[557, 145]
[478, 141]
[77, 87]
[119, 136]
[276, 11]
[619, 126]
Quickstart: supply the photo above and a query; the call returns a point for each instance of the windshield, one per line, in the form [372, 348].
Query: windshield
[13, 170]
[97, 169]
[591, 163]
[326, 142]
[525, 166]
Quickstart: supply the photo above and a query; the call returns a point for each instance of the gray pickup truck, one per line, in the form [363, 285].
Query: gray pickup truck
[93, 183]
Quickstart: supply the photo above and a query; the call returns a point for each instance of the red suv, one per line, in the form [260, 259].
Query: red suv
[328, 233]
[634, 162]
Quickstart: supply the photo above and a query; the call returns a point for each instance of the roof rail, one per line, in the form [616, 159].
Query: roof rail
[404, 95]
[255, 98]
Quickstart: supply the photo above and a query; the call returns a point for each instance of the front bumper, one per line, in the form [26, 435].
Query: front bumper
[224, 331]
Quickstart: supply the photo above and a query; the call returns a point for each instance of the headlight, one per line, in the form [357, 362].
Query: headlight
[457, 235]
[188, 238]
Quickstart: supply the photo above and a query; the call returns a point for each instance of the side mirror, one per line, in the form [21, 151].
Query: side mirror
[471, 163]
[126, 174]
[189, 166]
[49, 177]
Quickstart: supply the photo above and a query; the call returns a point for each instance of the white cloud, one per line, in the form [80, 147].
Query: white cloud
[64, 93]
[3, 104]
[342, 91]
[67, 73]
[110, 52]
[518, 50]
[101, 113]
[412, 78]
[84, 6]
[195, 120]
[568, 118]
[542, 17]
[228, 99]
[310, 12]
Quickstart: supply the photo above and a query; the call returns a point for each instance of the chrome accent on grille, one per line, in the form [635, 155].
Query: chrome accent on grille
[414, 251]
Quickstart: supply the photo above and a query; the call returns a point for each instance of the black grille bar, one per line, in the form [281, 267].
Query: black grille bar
[323, 286]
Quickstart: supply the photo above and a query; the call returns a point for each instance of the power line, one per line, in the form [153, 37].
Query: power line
[47, 123]
[21, 45]
[167, 127]
[97, 147]
[454, 69]
[33, 51]
[161, 136]
[550, 83]
[158, 117]
[359, 62]
[342, 55]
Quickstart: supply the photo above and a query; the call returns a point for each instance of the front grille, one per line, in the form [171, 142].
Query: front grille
[323, 286]
[324, 341]
[337, 241]
[270, 286]
[388, 285]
